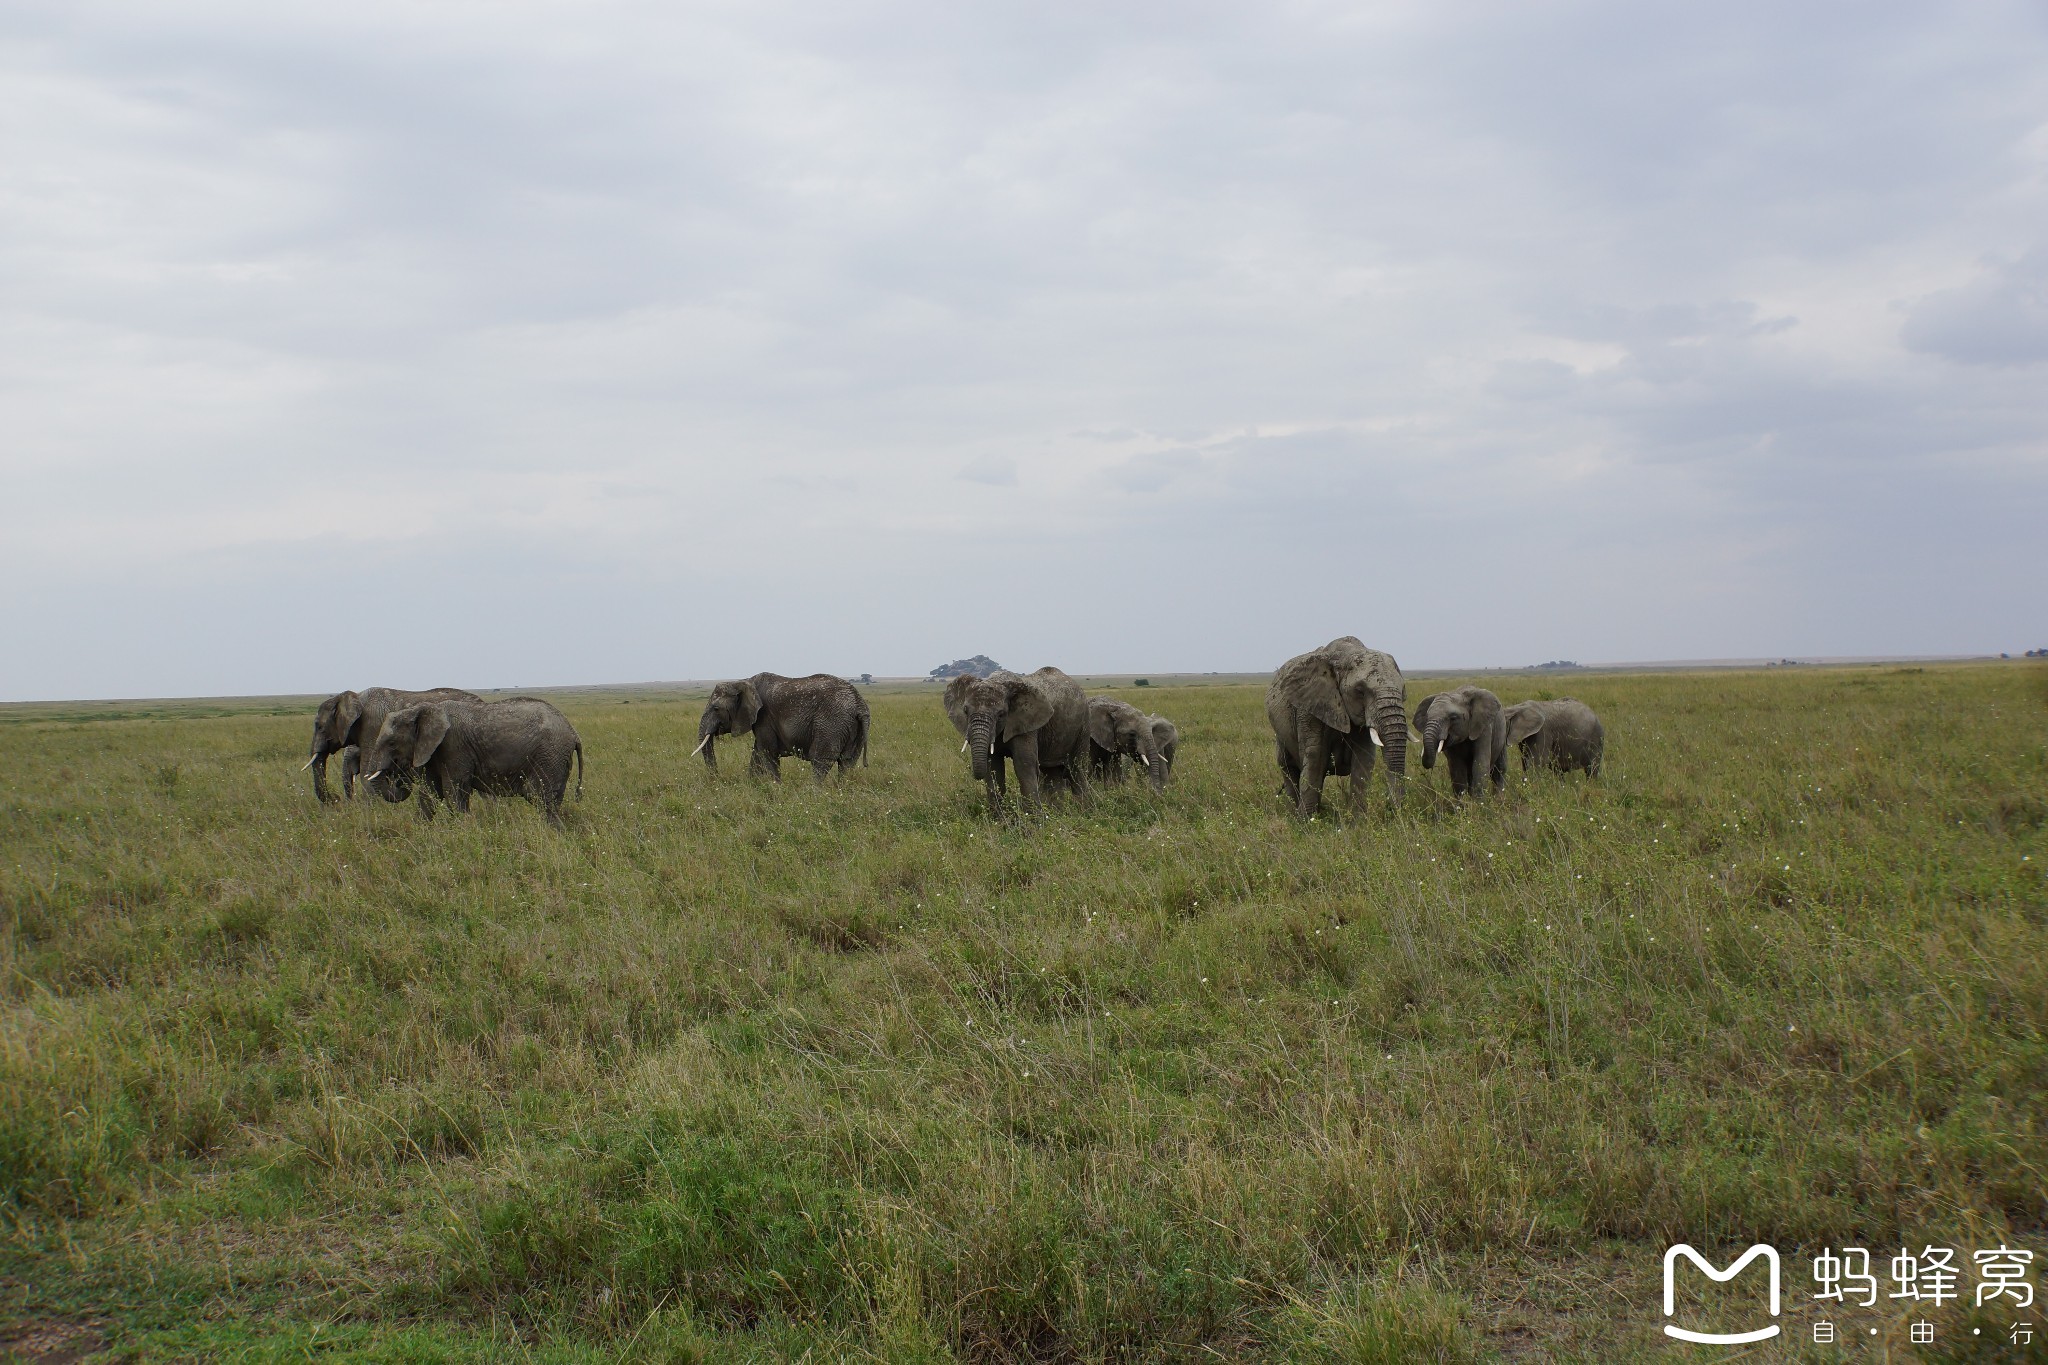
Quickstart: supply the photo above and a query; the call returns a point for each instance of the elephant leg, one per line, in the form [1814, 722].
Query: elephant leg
[1290, 774]
[351, 764]
[458, 797]
[1030, 790]
[1497, 767]
[1315, 760]
[1460, 756]
[1077, 778]
[821, 768]
[1362, 759]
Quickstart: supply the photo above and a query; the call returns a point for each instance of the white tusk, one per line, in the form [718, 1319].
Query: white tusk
[963, 746]
[310, 762]
[1374, 731]
[700, 746]
[1440, 746]
[372, 777]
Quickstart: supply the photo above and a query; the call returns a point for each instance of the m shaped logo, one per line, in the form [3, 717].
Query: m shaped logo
[1770, 1257]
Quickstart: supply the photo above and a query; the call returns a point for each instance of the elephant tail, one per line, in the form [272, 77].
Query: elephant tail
[867, 720]
[579, 770]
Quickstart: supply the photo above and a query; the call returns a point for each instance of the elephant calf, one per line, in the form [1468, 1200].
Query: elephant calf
[1039, 721]
[347, 721]
[821, 719]
[1562, 734]
[1467, 727]
[1166, 735]
[519, 746]
[1330, 708]
[1118, 730]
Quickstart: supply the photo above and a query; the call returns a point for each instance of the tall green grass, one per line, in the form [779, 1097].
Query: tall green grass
[733, 1070]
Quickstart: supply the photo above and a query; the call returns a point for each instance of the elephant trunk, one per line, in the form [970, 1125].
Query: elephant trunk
[978, 741]
[1392, 721]
[1155, 766]
[1431, 735]
[318, 763]
[707, 742]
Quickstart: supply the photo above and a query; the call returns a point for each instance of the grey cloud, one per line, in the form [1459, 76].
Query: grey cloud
[997, 471]
[1999, 318]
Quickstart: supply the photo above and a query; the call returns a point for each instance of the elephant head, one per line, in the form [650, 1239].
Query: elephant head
[732, 710]
[404, 746]
[1525, 719]
[1167, 736]
[1455, 717]
[992, 711]
[333, 730]
[1351, 688]
[1124, 730]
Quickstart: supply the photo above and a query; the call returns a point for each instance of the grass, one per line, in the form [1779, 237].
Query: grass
[731, 1071]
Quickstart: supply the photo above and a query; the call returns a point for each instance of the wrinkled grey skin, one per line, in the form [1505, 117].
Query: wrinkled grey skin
[1562, 734]
[1329, 709]
[1118, 730]
[1467, 728]
[518, 746]
[820, 719]
[1038, 721]
[348, 720]
[1167, 736]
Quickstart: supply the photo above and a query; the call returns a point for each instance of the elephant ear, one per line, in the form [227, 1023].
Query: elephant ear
[1315, 691]
[1422, 710]
[433, 728]
[1101, 724]
[746, 708]
[1029, 708]
[956, 701]
[348, 716]
[1524, 718]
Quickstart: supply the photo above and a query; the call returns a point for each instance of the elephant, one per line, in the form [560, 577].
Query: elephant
[821, 719]
[1466, 727]
[1329, 709]
[1039, 721]
[515, 746]
[349, 720]
[1562, 734]
[1167, 736]
[1118, 730]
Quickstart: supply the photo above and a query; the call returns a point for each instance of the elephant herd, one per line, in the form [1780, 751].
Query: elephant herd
[1331, 709]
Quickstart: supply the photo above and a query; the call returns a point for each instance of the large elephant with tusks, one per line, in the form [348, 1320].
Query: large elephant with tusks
[1038, 721]
[1330, 709]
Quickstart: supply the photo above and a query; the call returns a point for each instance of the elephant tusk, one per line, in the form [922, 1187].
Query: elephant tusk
[1374, 731]
[1440, 745]
[372, 777]
[963, 746]
[700, 746]
[310, 762]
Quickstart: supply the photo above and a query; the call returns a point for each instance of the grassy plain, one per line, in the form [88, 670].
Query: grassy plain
[731, 1071]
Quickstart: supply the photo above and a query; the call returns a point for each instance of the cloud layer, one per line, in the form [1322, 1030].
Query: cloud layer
[520, 343]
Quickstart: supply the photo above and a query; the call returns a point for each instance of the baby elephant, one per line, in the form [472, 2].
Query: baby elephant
[518, 746]
[1562, 734]
[1118, 730]
[1467, 727]
[1167, 736]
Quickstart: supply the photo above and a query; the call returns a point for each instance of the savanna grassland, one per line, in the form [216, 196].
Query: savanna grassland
[732, 1071]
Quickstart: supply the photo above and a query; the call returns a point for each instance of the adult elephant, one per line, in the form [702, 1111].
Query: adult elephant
[821, 719]
[1563, 734]
[1118, 730]
[347, 721]
[1038, 721]
[515, 746]
[1330, 708]
[1465, 726]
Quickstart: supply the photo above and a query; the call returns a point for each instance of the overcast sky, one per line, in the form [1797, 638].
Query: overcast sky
[512, 344]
